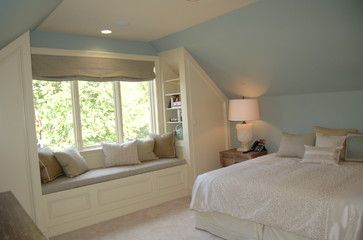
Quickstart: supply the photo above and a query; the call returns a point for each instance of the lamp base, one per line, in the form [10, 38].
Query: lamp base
[243, 149]
[244, 135]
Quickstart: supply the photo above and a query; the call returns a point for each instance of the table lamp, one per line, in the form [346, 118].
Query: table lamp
[243, 110]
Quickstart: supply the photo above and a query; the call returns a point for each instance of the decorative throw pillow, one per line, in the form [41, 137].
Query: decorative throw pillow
[329, 141]
[336, 132]
[325, 155]
[145, 149]
[164, 145]
[49, 167]
[292, 145]
[120, 154]
[72, 162]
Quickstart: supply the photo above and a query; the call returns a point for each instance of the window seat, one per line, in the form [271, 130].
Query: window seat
[94, 176]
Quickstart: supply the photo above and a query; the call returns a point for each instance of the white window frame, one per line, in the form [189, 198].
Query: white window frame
[116, 90]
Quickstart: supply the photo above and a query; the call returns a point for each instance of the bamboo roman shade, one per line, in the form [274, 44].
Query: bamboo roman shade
[64, 68]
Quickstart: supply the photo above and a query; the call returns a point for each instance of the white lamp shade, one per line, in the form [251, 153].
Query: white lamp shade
[243, 110]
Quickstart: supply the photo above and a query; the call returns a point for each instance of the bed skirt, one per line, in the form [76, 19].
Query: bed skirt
[232, 228]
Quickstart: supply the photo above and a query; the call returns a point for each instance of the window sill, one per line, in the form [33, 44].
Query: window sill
[90, 149]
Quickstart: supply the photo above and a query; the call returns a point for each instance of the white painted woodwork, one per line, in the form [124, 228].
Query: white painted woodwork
[204, 111]
[90, 151]
[79, 207]
[208, 117]
[205, 134]
[19, 168]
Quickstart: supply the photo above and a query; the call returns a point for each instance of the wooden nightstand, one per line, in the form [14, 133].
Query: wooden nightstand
[233, 156]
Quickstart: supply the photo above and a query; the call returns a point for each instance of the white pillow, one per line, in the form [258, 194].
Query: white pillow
[292, 145]
[329, 141]
[73, 164]
[325, 155]
[145, 150]
[120, 154]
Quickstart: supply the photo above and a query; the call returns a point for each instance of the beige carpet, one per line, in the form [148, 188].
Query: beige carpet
[169, 221]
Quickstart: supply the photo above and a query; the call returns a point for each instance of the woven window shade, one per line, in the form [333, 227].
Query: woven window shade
[65, 68]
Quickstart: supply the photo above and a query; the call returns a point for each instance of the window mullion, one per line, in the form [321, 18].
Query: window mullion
[76, 115]
[153, 110]
[118, 112]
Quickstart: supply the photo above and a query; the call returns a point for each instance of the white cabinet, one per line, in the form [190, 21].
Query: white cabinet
[19, 167]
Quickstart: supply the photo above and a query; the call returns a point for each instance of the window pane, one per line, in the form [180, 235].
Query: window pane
[53, 113]
[97, 107]
[136, 112]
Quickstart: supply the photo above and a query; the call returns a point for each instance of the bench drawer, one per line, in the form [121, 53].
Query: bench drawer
[125, 191]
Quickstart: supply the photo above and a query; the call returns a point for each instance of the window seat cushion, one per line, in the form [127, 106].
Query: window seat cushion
[106, 174]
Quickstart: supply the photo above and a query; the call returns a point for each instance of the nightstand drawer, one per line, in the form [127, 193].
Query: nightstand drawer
[228, 161]
[233, 156]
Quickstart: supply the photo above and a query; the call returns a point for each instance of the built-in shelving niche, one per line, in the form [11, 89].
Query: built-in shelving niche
[172, 97]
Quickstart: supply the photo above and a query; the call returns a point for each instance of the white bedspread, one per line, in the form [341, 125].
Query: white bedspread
[312, 200]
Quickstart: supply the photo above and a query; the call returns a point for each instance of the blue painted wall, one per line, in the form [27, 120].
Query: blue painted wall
[18, 16]
[276, 47]
[299, 113]
[304, 51]
[78, 42]
[305, 58]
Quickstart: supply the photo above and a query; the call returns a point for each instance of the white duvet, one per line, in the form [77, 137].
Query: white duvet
[312, 200]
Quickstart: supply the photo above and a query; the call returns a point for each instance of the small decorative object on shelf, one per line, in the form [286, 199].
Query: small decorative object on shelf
[173, 119]
[178, 118]
[179, 131]
[169, 104]
[179, 115]
[175, 101]
[233, 156]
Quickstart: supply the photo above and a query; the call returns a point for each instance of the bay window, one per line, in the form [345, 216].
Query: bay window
[136, 109]
[84, 101]
[87, 113]
[97, 112]
[53, 113]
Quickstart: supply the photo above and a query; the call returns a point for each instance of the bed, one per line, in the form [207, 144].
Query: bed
[281, 198]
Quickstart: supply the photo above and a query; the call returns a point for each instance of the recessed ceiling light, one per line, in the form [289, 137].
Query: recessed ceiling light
[106, 31]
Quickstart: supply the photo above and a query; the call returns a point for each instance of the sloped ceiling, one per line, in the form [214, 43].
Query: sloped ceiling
[18, 16]
[141, 20]
[280, 47]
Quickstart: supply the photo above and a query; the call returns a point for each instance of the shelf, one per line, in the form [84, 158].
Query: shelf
[173, 108]
[172, 80]
[174, 122]
[171, 94]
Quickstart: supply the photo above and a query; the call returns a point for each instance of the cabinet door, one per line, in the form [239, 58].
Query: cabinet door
[208, 118]
[17, 134]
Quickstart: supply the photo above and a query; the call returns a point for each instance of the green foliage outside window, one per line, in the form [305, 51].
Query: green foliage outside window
[136, 112]
[54, 118]
[98, 117]
[53, 113]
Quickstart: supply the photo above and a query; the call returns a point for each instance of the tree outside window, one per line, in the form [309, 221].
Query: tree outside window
[97, 106]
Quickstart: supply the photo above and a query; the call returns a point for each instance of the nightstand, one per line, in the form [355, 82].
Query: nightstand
[233, 156]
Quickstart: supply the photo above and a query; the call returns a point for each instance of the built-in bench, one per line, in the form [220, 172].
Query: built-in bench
[105, 193]
[94, 176]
